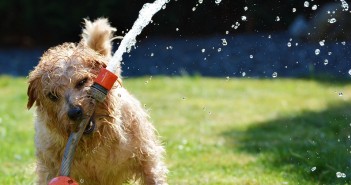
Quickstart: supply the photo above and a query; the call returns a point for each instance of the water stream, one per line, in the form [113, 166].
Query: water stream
[129, 40]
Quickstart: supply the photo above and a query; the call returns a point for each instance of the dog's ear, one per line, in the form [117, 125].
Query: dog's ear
[98, 35]
[32, 91]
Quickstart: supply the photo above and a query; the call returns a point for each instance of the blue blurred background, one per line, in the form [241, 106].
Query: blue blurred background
[245, 38]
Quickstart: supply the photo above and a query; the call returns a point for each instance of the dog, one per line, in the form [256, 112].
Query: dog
[119, 144]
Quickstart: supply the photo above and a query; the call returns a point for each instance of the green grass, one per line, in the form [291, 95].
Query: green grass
[218, 131]
[16, 133]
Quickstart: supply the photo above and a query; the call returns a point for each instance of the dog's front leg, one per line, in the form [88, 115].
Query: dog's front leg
[44, 174]
[154, 170]
[143, 141]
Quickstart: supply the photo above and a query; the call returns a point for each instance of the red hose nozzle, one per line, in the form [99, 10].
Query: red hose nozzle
[102, 84]
[63, 180]
[106, 79]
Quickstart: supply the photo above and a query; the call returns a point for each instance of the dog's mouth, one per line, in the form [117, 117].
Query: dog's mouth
[91, 126]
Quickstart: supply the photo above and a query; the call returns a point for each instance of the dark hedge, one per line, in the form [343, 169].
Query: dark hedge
[38, 22]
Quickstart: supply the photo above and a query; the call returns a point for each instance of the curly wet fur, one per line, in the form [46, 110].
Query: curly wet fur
[124, 146]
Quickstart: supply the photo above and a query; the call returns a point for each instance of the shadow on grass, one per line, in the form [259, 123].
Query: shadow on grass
[297, 144]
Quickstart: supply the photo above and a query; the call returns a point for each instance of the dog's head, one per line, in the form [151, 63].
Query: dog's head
[59, 85]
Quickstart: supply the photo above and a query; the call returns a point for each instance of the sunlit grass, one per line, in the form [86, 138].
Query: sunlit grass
[16, 133]
[217, 131]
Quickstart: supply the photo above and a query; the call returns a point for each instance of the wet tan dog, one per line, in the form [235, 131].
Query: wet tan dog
[120, 144]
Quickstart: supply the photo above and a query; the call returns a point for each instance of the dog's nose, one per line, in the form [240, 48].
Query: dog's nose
[75, 113]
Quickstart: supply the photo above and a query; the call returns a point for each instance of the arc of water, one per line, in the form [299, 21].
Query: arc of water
[129, 40]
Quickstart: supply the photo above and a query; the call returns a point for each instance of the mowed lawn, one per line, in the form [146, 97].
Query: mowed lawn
[218, 130]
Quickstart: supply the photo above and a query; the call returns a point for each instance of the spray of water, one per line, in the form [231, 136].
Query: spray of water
[344, 5]
[129, 40]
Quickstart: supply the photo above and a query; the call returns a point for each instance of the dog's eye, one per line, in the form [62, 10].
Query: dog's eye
[81, 83]
[53, 97]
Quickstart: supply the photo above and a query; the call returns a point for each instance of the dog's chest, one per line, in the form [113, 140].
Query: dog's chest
[105, 165]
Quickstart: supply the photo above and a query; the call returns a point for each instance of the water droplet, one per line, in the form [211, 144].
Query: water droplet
[184, 98]
[294, 10]
[306, 4]
[219, 49]
[144, 105]
[81, 181]
[340, 175]
[152, 54]
[194, 8]
[243, 74]
[330, 53]
[245, 8]
[314, 7]
[317, 51]
[277, 19]
[146, 82]
[321, 43]
[251, 56]
[269, 36]
[226, 32]
[274, 75]
[243, 18]
[224, 42]
[227, 78]
[203, 50]
[177, 29]
[313, 168]
[326, 62]
[343, 43]
[341, 94]
[332, 20]
[200, 1]
[218, 1]
[289, 44]
[344, 5]
[350, 72]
